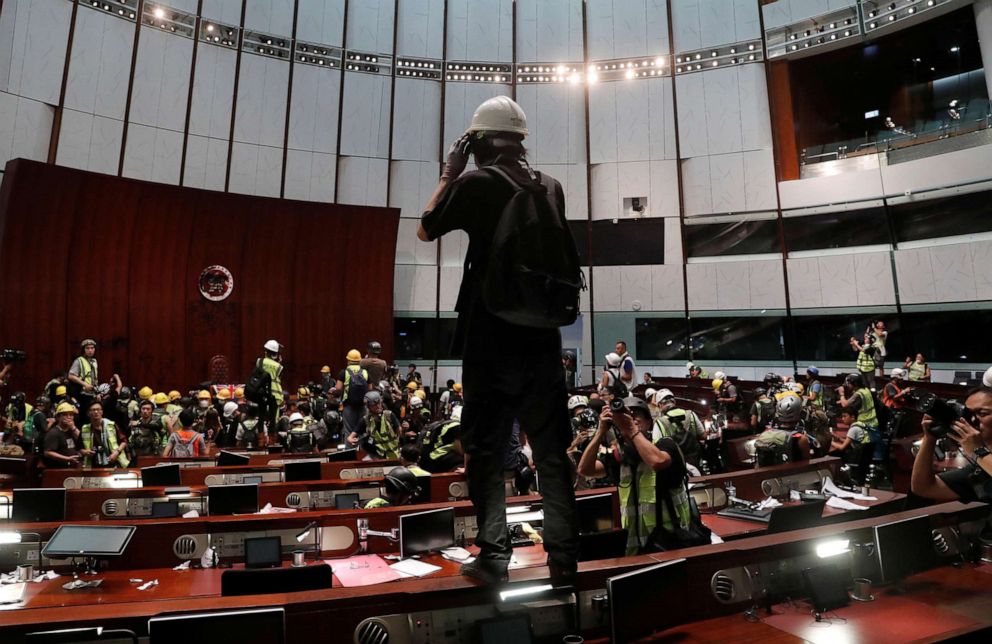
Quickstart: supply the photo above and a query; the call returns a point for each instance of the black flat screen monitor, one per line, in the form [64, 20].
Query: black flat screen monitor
[827, 587]
[345, 501]
[230, 458]
[595, 513]
[263, 552]
[795, 517]
[232, 499]
[264, 625]
[88, 541]
[343, 455]
[33, 505]
[603, 545]
[165, 509]
[426, 531]
[161, 476]
[904, 548]
[305, 471]
[504, 630]
[647, 600]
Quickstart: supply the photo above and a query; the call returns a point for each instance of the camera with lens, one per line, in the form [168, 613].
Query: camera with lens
[587, 419]
[100, 456]
[619, 392]
[13, 355]
[944, 413]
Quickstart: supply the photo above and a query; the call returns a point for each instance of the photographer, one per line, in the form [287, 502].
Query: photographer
[654, 500]
[973, 433]
[866, 362]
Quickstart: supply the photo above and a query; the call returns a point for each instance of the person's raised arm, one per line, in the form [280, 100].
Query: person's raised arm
[454, 165]
[924, 482]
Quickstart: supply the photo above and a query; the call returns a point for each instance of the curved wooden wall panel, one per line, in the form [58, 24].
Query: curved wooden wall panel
[90, 255]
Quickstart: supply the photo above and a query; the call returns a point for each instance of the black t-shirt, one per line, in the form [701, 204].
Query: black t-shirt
[970, 483]
[473, 203]
[61, 443]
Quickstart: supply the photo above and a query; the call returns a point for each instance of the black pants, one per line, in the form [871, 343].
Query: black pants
[531, 389]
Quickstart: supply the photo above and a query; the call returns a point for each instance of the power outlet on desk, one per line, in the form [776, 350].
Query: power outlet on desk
[549, 617]
[468, 525]
[17, 554]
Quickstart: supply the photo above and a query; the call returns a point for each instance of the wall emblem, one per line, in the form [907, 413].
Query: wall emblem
[216, 283]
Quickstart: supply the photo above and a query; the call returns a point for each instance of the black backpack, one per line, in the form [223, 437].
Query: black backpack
[259, 385]
[357, 385]
[532, 277]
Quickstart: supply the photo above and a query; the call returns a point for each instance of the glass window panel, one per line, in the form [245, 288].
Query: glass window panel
[628, 242]
[836, 230]
[661, 339]
[732, 238]
[750, 338]
[823, 338]
[948, 336]
[943, 217]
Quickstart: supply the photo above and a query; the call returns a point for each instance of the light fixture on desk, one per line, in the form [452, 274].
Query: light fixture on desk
[525, 592]
[311, 527]
[832, 548]
[10, 537]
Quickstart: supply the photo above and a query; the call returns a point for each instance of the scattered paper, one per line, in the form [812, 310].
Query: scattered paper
[715, 538]
[192, 514]
[12, 594]
[456, 554]
[830, 488]
[364, 570]
[183, 566]
[414, 568]
[270, 509]
[842, 504]
[46, 576]
[770, 502]
[148, 584]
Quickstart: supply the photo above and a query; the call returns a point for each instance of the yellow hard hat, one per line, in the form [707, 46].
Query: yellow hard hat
[354, 356]
[145, 393]
[716, 384]
[411, 385]
[60, 390]
[174, 395]
[303, 392]
[325, 369]
[239, 392]
[420, 393]
[65, 408]
[203, 395]
[458, 387]
[224, 394]
[160, 399]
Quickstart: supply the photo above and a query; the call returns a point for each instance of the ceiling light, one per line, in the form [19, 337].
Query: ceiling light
[892, 17]
[158, 12]
[955, 49]
[750, 47]
[629, 74]
[659, 62]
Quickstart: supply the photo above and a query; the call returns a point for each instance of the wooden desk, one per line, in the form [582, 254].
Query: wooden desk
[748, 482]
[728, 528]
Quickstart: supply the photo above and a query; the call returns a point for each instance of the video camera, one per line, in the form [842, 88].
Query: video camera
[619, 392]
[587, 419]
[943, 412]
[13, 355]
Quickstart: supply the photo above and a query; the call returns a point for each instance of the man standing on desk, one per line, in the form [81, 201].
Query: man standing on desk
[511, 370]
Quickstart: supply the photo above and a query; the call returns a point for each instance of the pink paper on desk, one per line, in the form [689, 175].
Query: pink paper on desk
[364, 570]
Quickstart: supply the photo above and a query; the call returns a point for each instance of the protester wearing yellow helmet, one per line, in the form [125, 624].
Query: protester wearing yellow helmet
[62, 445]
[145, 393]
[352, 385]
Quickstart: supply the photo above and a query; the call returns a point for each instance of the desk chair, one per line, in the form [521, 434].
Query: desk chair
[795, 517]
[274, 580]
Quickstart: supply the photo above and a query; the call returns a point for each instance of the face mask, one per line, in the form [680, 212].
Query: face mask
[204, 404]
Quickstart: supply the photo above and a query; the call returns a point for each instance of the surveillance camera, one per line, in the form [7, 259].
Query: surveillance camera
[908, 193]
[636, 204]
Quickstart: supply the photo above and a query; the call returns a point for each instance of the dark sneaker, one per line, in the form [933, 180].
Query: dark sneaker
[488, 571]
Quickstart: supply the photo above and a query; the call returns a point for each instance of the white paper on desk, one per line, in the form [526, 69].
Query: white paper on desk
[843, 504]
[456, 554]
[183, 566]
[270, 509]
[770, 502]
[715, 538]
[414, 568]
[12, 593]
[192, 514]
[830, 488]
[45, 576]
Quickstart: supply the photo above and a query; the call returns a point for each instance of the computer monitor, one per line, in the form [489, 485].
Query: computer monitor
[345, 501]
[514, 628]
[230, 458]
[262, 625]
[904, 548]
[33, 505]
[343, 455]
[88, 541]
[595, 513]
[263, 552]
[161, 476]
[165, 509]
[232, 499]
[426, 531]
[795, 517]
[610, 544]
[647, 600]
[827, 586]
[305, 471]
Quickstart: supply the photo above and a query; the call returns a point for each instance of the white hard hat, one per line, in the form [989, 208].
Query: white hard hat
[719, 375]
[661, 394]
[295, 416]
[415, 402]
[987, 378]
[499, 114]
[649, 394]
[456, 413]
[613, 359]
[900, 373]
[229, 409]
[272, 346]
[577, 401]
[689, 365]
